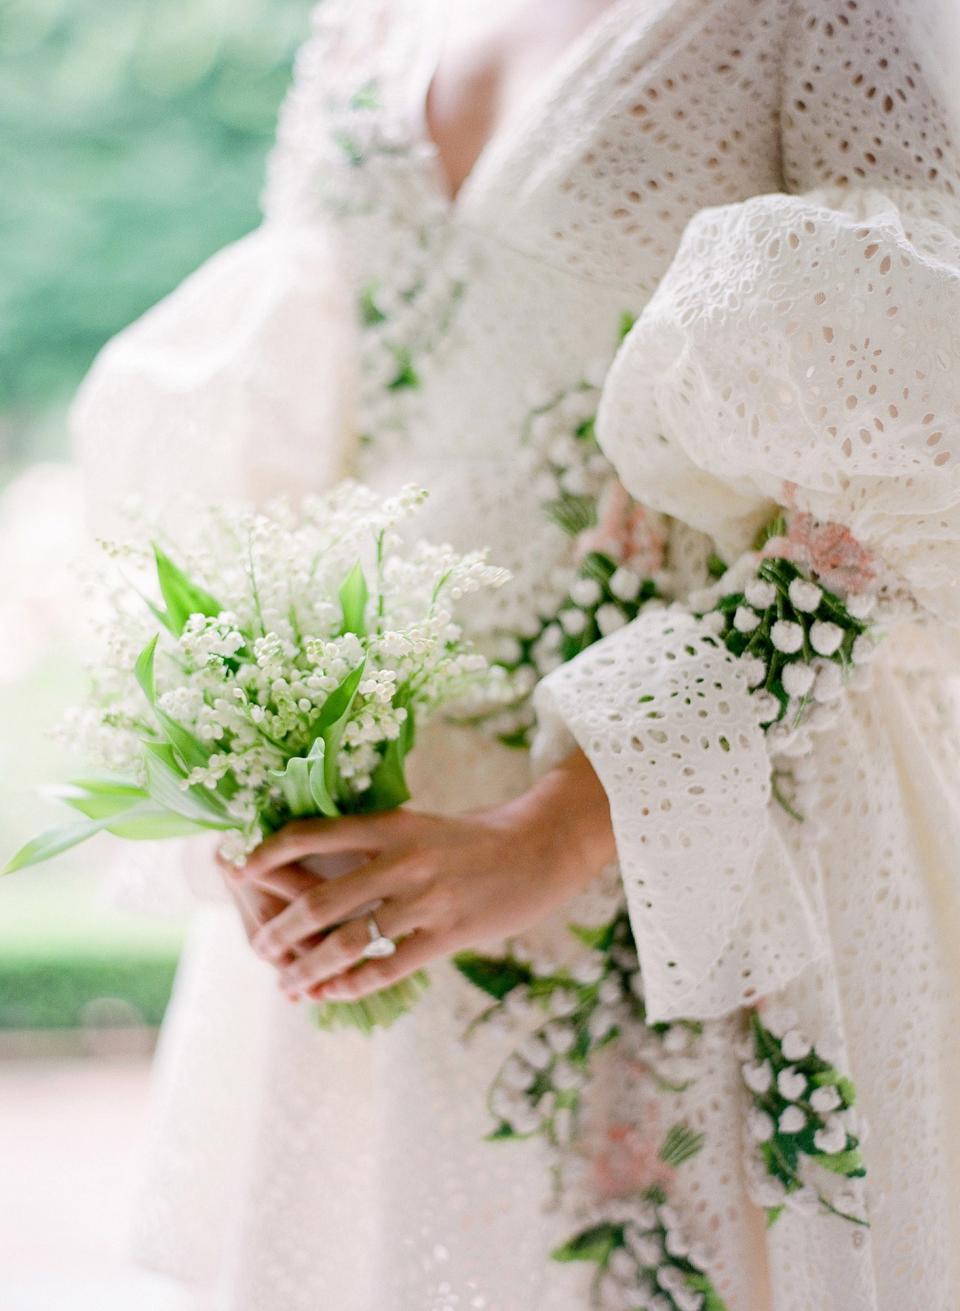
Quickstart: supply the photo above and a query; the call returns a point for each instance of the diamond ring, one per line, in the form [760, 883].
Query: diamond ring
[379, 945]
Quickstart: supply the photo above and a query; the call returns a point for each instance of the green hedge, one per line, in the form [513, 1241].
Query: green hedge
[74, 990]
[132, 141]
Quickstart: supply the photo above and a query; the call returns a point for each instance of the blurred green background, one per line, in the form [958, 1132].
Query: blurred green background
[132, 143]
[132, 140]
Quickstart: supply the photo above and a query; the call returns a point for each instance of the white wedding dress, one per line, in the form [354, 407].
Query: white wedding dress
[770, 189]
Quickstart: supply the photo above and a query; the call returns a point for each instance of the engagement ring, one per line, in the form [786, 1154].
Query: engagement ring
[379, 944]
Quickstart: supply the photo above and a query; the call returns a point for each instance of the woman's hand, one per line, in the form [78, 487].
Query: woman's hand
[257, 905]
[437, 883]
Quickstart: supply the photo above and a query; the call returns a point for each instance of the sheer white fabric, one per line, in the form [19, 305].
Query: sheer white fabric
[239, 384]
[789, 348]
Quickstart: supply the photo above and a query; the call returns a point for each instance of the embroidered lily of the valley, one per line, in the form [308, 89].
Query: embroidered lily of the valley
[798, 612]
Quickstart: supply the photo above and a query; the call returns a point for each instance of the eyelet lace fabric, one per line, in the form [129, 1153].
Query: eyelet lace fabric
[769, 188]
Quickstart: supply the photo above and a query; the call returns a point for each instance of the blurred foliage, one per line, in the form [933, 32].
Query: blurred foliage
[132, 140]
[65, 990]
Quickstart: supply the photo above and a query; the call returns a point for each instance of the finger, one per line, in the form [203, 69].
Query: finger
[346, 945]
[418, 950]
[287, 883]
[256, 909]
[314, 837]
[328, 904]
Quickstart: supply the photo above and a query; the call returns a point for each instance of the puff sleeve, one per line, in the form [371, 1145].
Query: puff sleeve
[802, 351]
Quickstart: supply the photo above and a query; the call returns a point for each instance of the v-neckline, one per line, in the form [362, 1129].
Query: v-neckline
[542, 91]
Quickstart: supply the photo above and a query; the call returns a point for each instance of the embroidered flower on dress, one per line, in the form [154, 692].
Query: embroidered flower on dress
[799, 1123]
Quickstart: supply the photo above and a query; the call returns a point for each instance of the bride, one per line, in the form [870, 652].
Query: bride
[672, 285]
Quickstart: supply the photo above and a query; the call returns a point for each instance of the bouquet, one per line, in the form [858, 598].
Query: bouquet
[274, 668]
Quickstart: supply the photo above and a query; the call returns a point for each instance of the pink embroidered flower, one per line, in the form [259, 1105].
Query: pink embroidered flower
[625, 1157]
[626, 532]
[830, 550]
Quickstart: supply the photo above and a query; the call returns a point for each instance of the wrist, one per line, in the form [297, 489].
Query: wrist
[570, 807]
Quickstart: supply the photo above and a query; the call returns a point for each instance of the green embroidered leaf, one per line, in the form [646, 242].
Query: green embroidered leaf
[370, 312]
[849, 1163]
[773, 1214]
[350, 148]
[599, 938]
[847, 1090]
[716, 567]
[502, 1133]
[495, 977]
[681, 1144]
[775, 528]
[367, 96]
[599, 566]
[700, 1283]
[406, 375]
[594, 1244]
[844, 1086]
[627, 320]
[572, 514]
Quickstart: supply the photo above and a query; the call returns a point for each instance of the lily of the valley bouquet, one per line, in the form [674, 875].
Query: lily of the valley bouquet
[273, 667]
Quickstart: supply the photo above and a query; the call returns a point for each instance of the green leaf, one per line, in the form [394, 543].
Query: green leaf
[192, 752]
[53, 842]
[496, 977]
[716, 565]
[378, 1011]
[572, 514]
[773, 1214]
[181, 595]
[406, 375]
[849, 1163]
[188, 747]
[317, 780]
[106, 783]
[599, 938]
[847, 1090]
[339, 701]
[370, 312]
[294, 782]
[681, 1144]
[350, 148]
[354, 595]
[150, 825]
[367, 96]
[702, 1284]
[594, 1244]
[343, 697]
[98, 804]
[164, 778]
[143, 670]
[502, 1133]
[388, 785]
